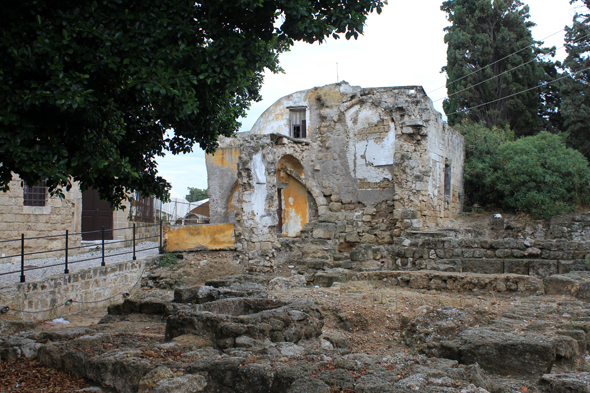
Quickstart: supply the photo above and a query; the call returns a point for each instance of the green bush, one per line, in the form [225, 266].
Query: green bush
[168, 260]
[540, 175]
[481, 160]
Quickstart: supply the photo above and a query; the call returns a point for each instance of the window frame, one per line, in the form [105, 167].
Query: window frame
[298, 129]
[36, 195]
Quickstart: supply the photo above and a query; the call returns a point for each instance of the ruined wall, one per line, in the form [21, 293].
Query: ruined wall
[378, 157]
[34, 221]
[222, 169]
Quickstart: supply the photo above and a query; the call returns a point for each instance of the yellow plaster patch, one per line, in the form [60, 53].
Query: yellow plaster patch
[295, 214]
[226, 157]
[200, 237]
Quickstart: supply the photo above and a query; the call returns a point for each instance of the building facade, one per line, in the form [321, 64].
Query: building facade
[360, 164]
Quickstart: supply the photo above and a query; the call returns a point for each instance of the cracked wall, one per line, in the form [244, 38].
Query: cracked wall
[375, 157]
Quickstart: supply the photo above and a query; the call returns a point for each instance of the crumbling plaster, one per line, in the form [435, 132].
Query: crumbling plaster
[366, 148]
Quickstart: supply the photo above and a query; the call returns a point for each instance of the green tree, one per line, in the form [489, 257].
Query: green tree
[196, 194]
[540, 175]
[575, 90]
[90, 87]
[481, 36]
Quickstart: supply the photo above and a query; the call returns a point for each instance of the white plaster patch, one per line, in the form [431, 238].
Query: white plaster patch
[291, 201]
[258, 169]
[256, 200]
[369, 151]
[293, 225]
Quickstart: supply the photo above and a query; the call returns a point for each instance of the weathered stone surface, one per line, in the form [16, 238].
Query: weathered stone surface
[575, 382]
[282, 283]
[338, 339]
[182, 384]
[328, 277]
[499, 352]
[362, 253]
[558, 284]
[225, 320]
[147, 383]
[309, 385]
[584, 291]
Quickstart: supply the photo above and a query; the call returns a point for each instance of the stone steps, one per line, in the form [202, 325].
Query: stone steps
[535, 267]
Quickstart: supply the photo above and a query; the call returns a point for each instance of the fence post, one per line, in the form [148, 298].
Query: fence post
[134, 257]
[103, 263]
[22, 258]
[66, 270]
[161, 249]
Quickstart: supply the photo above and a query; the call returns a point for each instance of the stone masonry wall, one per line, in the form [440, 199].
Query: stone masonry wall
[36, 221]
[518, 256]
[88, 288]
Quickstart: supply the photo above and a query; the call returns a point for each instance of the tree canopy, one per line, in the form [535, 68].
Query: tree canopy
[196, 194]
[481, 37]
[90, 87]
[575, 89]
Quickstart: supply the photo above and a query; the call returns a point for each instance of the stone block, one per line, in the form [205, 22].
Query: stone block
[324, 231]
[516, 266]
[542, 268]
[482, 266]
[558, 284]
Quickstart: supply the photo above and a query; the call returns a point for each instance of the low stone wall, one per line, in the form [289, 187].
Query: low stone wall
[96, 287]
[459, 282]
[536, 257]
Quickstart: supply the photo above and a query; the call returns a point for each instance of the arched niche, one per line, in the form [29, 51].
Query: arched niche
[292, 197]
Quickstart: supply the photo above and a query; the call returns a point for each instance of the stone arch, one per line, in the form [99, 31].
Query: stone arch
[296, 202]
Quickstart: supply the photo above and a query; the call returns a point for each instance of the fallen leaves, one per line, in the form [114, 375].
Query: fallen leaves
[28, 376]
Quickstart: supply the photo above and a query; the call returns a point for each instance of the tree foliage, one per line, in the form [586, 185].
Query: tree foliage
[540, 175]
[196, 194]
[575, 90]
[535, 174]
[481, 36]
[89, 87]
[481, 160]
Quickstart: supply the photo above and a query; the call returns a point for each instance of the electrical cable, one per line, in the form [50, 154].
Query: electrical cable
[520, 92]
[505, 72]
[497, 61]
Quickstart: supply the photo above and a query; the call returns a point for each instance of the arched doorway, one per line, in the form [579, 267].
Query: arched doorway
[292, 209]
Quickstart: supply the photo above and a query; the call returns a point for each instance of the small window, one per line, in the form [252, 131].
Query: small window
[298, 129]
[36, 195]
[447, 179]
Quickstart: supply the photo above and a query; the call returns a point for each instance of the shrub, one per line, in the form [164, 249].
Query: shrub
[540, 175]
[168, 260]
[481, 160]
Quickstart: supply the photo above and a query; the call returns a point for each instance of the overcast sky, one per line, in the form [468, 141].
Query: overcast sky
[402, 46]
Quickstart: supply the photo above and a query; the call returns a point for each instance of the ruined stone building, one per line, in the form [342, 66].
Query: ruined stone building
[350, 164]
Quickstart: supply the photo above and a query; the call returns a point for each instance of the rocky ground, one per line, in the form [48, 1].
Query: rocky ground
[358, 336]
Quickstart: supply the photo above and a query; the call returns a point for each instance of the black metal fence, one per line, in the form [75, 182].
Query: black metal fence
[156, 237]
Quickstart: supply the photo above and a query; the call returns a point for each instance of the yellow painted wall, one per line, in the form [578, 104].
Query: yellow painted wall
[200, 237]
[295, 214]
[226, 157]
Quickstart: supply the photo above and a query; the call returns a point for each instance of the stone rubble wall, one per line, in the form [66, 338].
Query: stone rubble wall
[88, 288]
[373, 164]
[536, 257]
[574, 227]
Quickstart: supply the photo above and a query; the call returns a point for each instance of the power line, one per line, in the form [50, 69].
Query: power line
[520, 92]
[505, 72]
[497, 61]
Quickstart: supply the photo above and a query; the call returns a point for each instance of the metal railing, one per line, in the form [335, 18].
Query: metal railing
[157, 236]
